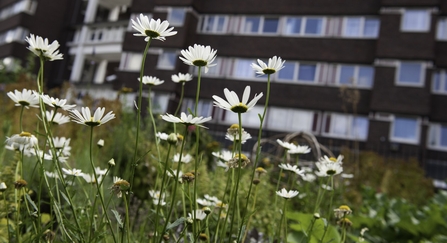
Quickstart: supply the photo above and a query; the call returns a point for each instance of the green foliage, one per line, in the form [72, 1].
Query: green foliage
[306, 228]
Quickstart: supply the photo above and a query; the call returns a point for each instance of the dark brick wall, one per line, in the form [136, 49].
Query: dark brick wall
[388, 97]
[393, 43]
[441, 54]
[438, 108]
[412, 3]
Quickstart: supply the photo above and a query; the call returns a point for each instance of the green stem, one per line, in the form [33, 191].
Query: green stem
[280, 223]
[161, 194]
[127, 217]
[153, 123]
[182, 93]
[6, 216]
[239, 169]
[21, 117]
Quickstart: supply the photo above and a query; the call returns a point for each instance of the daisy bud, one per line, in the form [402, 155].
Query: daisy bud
[111, 162]
[189, 221]
[49, 235]
[256, 181]
[100, 143]
[316, 215]
[166, 237]
[207, 210]
[172, 139]
[3, 187]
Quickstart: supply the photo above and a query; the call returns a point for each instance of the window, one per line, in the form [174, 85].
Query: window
[345, 126]
[303, 26]
[242, 69]
[416, 20]
[216, 71]
[214, 24]
[18, 34]
[437, 136]
[159, 102]
[361, 76]
[410, 73]
[405, 130]
[439, 82]
[166, 60]
[131, 61]
[176, 16]
[249, 119]
[260, 25]
[361, 27]
[27, 6]
[441, 33]
[291, 120]
[204, 107]
[299, 72]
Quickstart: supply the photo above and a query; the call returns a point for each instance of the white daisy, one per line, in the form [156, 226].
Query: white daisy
[180, 174]
[199, 56]
[233, 104]
[26, 98]
[223, 155]
[62, 144]
[235, 137]
[199, 215]
[339, 159]
[87, 119]
[90, 178]
[181, 78]
[205, 202]
[293, 168]
[24, 140]
[41, 47]
[150, 80]
[162, 136]
[211, 198]
[328, 167]
[73, 172]
[299, 149]
[286, 145]
[274, 65]
[57, 103]
[186, 119]
[309, 177]
[287, 194]
[156, 194]
[154, 29]
[186, 158]
[57, 118]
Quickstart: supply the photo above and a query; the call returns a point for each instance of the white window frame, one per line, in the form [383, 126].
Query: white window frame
[261, 25]
[425, 28]
[421, 82]
[434, 134]
[405, 140]
[287, 120]
[127, 58]
[442, 82]
[361, 33]
[303, 26]
[441, 29]
[204, 21]
[356, 76]
[349, 126]
[220, 70]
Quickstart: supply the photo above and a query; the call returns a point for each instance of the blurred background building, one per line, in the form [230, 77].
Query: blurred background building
[370, 73]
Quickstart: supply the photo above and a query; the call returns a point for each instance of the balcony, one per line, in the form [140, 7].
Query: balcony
[100, 33]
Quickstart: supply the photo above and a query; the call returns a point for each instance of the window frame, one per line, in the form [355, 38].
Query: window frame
[442, 82]
[203, 22]
[170, 19]
[414, 141]
[261, 25]
[303, 26]
[356, 76]
[161, 55]
[296, 73]
[405, 28]
[126, 57]
[314, 125]
[362, 26]
[421, 81]
[441, 29]
[434, 133]
[350, 126]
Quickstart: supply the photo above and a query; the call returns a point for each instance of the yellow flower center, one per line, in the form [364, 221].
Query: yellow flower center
[241, 108]
[333, 159]
[25, 134]
[92, 123]
[200, 63]
[152, 33]
[344, 207]
[234, 126]
[269, 71]
[24, 103]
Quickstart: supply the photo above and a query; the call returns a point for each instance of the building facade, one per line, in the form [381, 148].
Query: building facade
[371, 71]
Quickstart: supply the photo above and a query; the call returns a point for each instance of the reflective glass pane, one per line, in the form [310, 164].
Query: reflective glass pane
[360, 127]
[437, 81]
[251, 25]
[405, 128]
[352, 27]
[307, 72]
[293, 26]
[347, 75]
[270, 25]
[220, 24]
[410, 73]
[313, 25]
[287, 72]
[366, 76]
[443, 141]
[371, 28]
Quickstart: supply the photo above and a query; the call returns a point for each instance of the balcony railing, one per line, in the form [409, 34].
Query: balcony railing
[111, 32]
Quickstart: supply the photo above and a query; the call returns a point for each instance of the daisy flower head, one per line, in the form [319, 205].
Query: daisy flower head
[328, 168]
[119, 185]
[199, 56]
[41, 48]
[155, 29]
[186, 158]
[57, 103]
[299, 149]
[235, 137]
[162, 136]
[22, 140]
[85, 118]
[72, 172]
[236, 160]
[293, 168]
[233, 103]
[186, 119]
[198, 215]
[62, 144]
[274, 65]
[181, 78]
[286, 145]
[287, 194]
[58, 118]
[26, 98]
[150, 80]
[339, 159]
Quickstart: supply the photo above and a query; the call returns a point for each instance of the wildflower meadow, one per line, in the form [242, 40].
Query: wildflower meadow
[102, 173]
